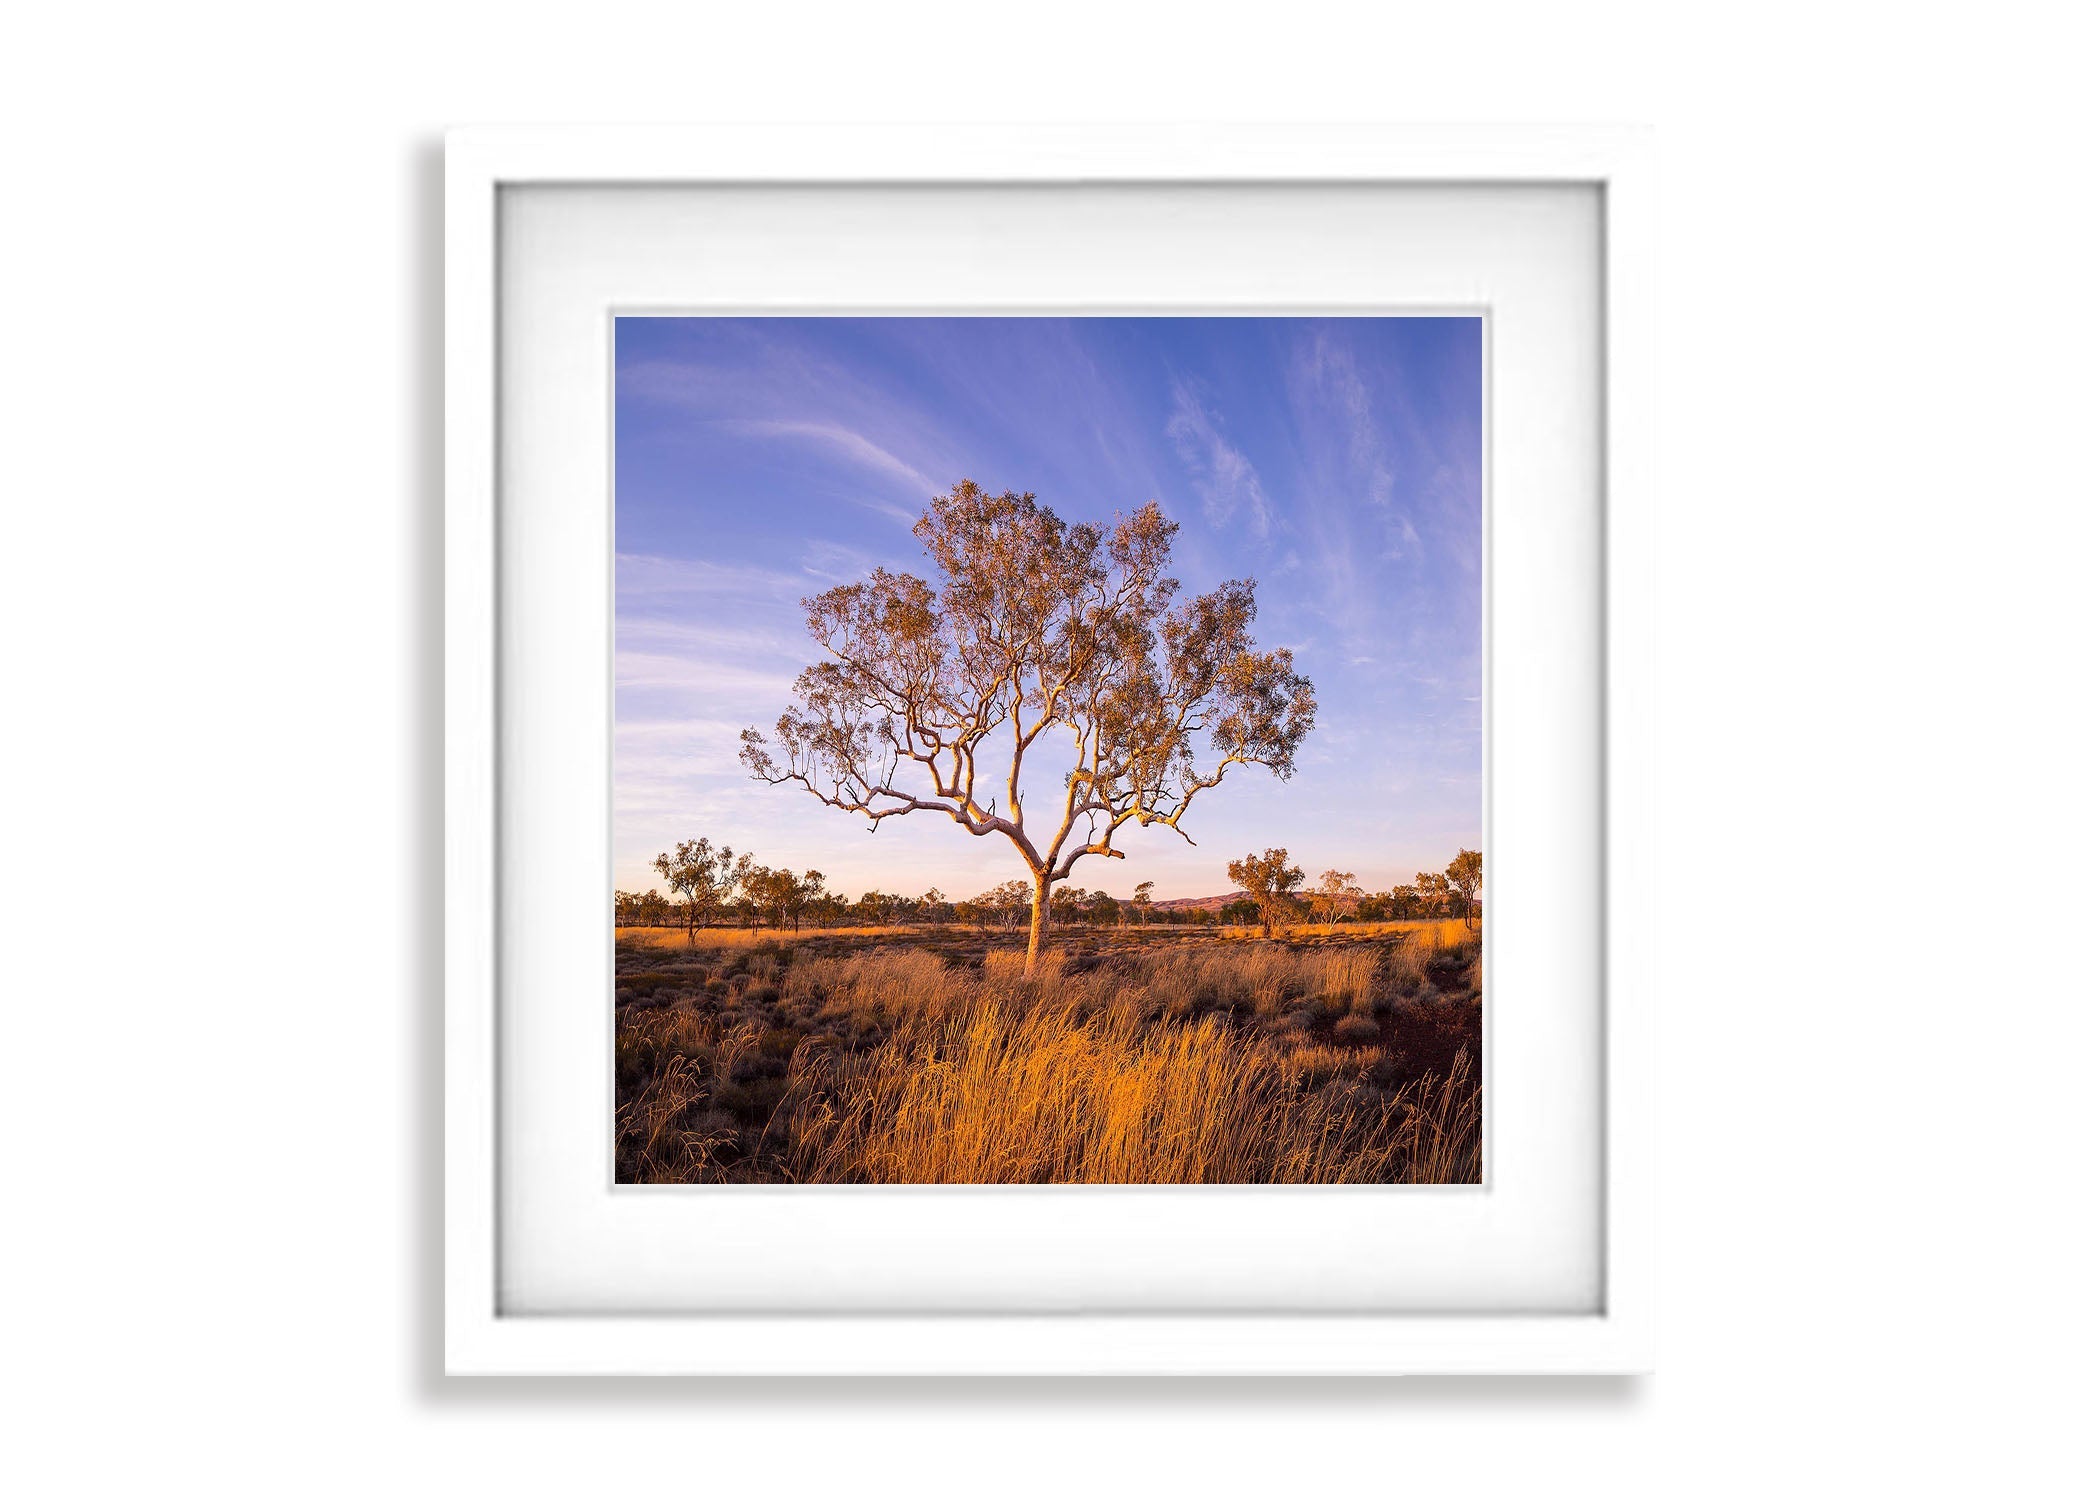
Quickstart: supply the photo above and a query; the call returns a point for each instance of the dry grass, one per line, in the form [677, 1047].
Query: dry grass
[1048, 1094]
[841, 1061]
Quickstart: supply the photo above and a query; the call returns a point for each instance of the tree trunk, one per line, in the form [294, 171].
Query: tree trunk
[689, 924]
[1035, 923]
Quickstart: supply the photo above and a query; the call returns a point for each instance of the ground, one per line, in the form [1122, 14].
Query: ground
[1152, 1054]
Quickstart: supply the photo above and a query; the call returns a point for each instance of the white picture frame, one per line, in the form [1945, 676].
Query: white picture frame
[480, 1338]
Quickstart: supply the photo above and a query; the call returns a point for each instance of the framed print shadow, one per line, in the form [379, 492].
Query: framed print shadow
[1047, 752]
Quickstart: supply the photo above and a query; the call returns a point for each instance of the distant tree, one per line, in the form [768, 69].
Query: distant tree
[829, 910]
[1335, 887]
[1269, 878]
[807, 895]
[935, 907]
[704, 875]
[1008, 902]
[1241, 913]
[1141, 902]
[782, 897]
[1103, 910]
[766, 892]
[1069, 630]
[1463, 875]
[1433, 894]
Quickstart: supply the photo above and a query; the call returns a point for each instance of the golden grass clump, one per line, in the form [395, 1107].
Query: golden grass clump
[1008, 967]
[1257, 977]
[1350, 975]
[1045, 1094]
[886, 983]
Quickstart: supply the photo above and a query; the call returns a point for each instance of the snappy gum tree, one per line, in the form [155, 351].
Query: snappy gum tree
[1463, 873]
[1044, 638]
[1269, 877]
[704, 875]
[1336, 886]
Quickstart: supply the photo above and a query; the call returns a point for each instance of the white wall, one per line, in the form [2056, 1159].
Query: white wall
[218, 604]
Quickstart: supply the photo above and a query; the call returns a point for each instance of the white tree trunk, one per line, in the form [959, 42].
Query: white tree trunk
[1036, 913]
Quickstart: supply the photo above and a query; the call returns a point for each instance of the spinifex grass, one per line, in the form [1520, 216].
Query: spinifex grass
[1134, 1062]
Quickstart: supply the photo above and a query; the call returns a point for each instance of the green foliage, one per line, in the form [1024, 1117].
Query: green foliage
[1269, 878]
[704, 875]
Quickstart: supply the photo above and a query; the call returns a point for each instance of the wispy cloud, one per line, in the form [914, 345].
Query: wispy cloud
[835, 562]
[1328, 377]
[723, 638]
[1223, 476]
[642, 575]
[855, 448]
[1402, 541]
[658, 733]
[777, 393]
[708, 679]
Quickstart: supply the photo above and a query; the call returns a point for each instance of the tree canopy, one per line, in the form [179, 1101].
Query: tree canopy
[1464, 875]
[931, 697]
[701, 873]
[1269, 877]
[1336, 888]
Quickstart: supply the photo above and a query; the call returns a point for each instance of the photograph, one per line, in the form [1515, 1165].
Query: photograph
[1048, 750]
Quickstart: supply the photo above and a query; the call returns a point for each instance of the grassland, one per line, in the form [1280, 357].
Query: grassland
[1150, 1055]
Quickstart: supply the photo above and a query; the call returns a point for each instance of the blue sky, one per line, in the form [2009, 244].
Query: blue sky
[1336, 461]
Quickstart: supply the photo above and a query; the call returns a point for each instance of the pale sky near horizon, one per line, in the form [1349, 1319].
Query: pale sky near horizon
[1336, 461]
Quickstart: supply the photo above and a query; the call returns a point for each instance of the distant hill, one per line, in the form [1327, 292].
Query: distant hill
[1197, 903]
[1219, 903]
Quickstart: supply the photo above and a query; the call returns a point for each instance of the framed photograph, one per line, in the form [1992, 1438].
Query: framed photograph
[1047, 752]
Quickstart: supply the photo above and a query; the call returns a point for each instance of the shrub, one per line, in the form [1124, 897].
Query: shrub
[1391, 1070]
[1356, 1029]
[1317, 1065]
